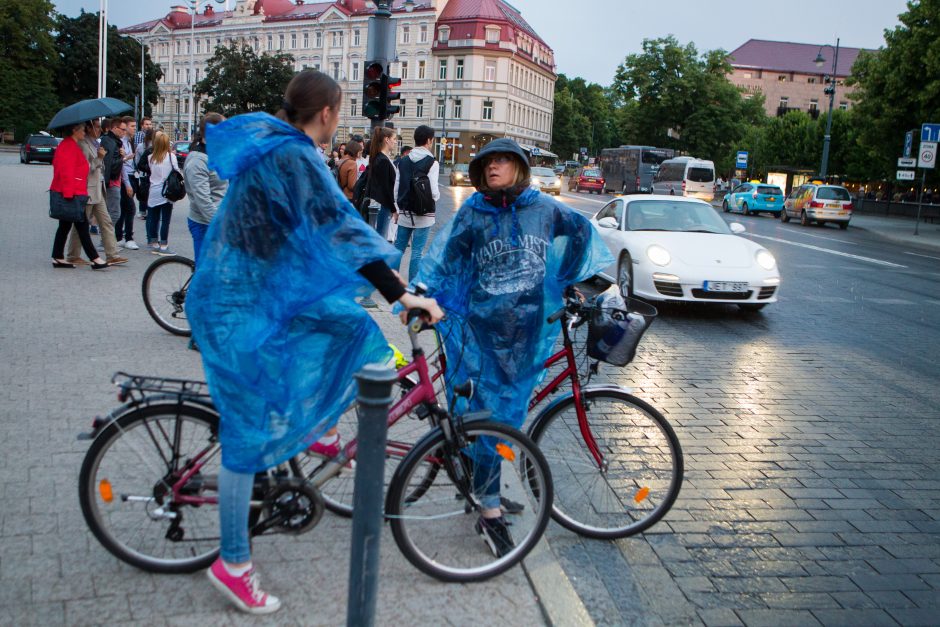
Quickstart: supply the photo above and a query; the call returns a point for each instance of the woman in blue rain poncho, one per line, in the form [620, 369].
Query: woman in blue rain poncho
[499, 268]
[271, 304]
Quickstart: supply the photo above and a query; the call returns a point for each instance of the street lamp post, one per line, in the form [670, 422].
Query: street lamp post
[194, 6]
[443, 96]
[831, 90]
[103, 49]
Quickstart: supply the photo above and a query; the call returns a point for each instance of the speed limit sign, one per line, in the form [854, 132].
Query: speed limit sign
[928, 155]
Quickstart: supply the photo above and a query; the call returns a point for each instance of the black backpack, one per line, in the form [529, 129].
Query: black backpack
[360, 199]
[421, 201]
[173, 187]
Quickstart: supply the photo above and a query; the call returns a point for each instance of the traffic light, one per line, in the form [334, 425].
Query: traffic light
[373, 106]
[389, 84]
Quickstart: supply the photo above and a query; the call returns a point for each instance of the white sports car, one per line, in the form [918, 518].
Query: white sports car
[679, 249]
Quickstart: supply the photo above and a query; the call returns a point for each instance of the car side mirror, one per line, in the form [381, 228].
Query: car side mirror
[737, 227]
[608, 223]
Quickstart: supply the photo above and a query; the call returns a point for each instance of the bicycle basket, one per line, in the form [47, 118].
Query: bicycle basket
[616, 326]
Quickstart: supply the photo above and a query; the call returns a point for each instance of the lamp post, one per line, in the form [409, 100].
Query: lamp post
[831, 90]
[102, 48]
[445, 97]
[194, 7]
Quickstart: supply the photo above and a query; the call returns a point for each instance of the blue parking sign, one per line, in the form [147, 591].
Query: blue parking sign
[741, 162]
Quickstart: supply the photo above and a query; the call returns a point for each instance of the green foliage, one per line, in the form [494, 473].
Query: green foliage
[585, 116]
[240, 81]
[27, 66]
[897, 88]
[77, 48]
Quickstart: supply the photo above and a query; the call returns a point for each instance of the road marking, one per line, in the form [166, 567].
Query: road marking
[919, 255]
[830, 251]
[889, 301]
[600, 202]
[831, 239]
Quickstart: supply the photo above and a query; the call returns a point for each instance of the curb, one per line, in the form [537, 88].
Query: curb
[907, 241]
[557, 597]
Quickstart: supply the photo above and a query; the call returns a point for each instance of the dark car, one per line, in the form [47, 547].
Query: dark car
[181, 150]
[38, 148]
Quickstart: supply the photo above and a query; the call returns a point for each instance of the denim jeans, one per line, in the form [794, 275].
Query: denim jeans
[198, 231]
[159, 216]
[234, 504]
[418, 237]
[382, 221]
[487, 466]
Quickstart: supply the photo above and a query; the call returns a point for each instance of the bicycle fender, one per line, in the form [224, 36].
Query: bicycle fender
[99, 423]
[551, 407]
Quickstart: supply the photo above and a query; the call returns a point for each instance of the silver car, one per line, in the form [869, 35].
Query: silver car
[545, 179]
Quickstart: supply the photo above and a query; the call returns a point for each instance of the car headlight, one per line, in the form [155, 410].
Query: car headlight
[557, 182]
[658, 255]
[458, 175]
[765, 260]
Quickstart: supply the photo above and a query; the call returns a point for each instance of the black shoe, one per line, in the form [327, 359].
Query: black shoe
[495, 532]
[510, 507]
[99, 266]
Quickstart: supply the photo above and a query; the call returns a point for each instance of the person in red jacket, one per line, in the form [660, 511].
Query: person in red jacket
[70, 179]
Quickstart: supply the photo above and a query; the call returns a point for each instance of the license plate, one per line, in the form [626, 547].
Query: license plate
[771, 199]
[833, 206]
[725, 286]
[43, 149]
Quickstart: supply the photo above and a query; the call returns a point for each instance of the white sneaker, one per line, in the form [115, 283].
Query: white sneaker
[120, 243]
[131, 245]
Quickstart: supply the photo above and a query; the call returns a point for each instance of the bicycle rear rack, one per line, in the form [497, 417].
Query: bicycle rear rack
[133, 386]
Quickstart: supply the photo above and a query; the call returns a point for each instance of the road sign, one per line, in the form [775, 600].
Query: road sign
[905, 175]
[907, 162]
[535, 151]
[741, 162]
[908, 143]
[928, 155]
[930, 133]
[583, 150]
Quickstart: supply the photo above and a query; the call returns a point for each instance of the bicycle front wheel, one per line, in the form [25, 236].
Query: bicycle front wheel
[125, 488]
[164, 290]
[640, 473]
[436, 525]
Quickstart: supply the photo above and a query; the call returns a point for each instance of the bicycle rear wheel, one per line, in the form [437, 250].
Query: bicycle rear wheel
[435, 525]
[164, 290]
[125, 488]
[642, 466]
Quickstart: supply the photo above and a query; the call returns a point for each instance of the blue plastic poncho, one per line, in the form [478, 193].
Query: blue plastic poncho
[499, 273]
[271, 304]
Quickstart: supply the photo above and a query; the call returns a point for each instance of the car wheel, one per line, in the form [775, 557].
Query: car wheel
[724, 206]
[751, 307]
[784, 216]
[843, 225]
[625, 274]
[804, 220]
[26, 158]
[745, 210]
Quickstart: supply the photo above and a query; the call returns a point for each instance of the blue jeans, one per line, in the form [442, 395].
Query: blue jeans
[382, 221]
[159, 216]
[234, 504]
[198, 231]
[419, 238]
[487, 466]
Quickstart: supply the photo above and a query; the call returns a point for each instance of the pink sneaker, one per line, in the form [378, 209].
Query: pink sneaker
[328, 451]
[243, 591]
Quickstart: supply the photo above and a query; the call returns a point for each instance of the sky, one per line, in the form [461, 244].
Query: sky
[591, 37]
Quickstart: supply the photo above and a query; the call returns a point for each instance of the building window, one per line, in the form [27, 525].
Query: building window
[270, 42]
[337, 39]
[280, 42]
[403, 105]
[306, 40]
[487, 109]
[293, 40]
[784, 102]
[256, 44]
[811, 80]
[177, 75]
[458, 109]
[423, 34]
[459, 72]
[352, 108]
[844, 106]
[404, 70]
[198, 46]
[318, 39]
[422, 66]
[357, 38]
[443, 34]
[489, 72]
[334, 72]
[492, 34]
[441, 108]
[782, 78]
[355, 71]
[406, 34]
[419, 108]
[442, 70]
[197, 75]
[813, 105]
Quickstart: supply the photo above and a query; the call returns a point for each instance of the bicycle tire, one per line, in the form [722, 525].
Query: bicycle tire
[164, 302]
[414, 525]
[592, 502]
[125, 457]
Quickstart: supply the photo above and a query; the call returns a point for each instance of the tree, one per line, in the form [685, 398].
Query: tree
[77, 47]
[239, 81]
[897, 87]
[586, 117]
[27, 66]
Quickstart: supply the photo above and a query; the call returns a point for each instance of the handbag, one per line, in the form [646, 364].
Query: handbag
[68, 209]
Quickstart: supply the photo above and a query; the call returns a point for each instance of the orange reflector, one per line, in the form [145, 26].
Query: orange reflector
[505, 452]
[104, 488]
[641, 495]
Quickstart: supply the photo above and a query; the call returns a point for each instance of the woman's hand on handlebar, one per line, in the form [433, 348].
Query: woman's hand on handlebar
[410, 301]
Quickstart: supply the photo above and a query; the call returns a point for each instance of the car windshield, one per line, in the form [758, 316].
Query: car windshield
[701, 175]
[184, 146]
[542, 172]
[833, 193]
[462, 167]
[769, 189]
[674, 215]
[42, 140]
[591, 173]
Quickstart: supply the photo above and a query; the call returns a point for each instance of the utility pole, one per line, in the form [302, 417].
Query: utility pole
[381, 45]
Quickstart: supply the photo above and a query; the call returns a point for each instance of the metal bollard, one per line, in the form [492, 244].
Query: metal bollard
[375, 397]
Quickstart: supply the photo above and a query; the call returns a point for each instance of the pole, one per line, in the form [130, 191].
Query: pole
[103, 49]
[192, 68]
[920, 199]
[379, 39]
[143, 48]
[832, 96]
[375, 397]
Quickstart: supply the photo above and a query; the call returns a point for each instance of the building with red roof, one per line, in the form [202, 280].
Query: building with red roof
[473, 69]
[786, 73]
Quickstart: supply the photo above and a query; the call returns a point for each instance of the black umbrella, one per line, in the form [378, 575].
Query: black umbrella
[85, 110]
